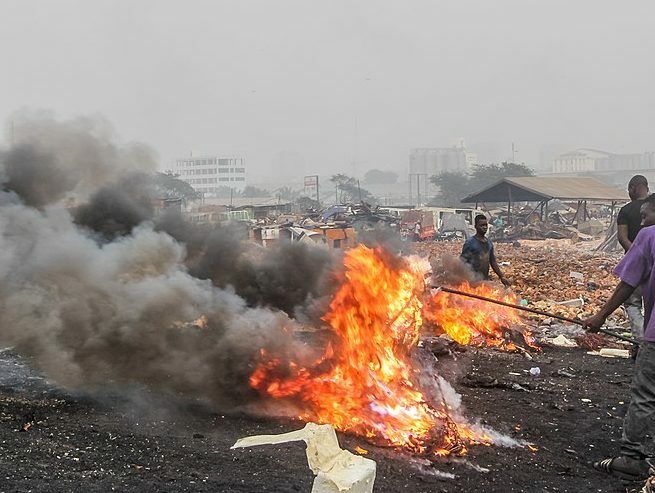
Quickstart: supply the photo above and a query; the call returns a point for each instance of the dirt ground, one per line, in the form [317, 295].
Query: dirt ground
[79, 443]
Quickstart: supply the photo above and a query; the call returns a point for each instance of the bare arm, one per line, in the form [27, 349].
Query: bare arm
[496, 269]
[622, 235]
[620, 294]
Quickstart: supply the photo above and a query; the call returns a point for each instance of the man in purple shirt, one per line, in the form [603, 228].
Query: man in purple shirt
[636, 269]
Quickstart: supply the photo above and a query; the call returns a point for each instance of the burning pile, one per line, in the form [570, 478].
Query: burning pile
[95, 295]
[364, 381]
[470, 321]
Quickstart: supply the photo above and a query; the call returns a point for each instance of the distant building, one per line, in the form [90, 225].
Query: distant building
[206, 174]
[591, 160]
[434, 160]
[425, 162]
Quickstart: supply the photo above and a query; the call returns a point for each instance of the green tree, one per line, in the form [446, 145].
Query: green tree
[485, 175]
[453, 187]
[169, 185]
[349, 190]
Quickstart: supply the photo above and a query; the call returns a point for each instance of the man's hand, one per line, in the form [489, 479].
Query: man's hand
[505, 281]
[593, 323]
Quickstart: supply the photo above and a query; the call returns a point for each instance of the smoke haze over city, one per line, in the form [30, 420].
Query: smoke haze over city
[301, 87]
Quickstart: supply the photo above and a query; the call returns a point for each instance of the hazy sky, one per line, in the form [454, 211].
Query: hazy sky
[318, 84]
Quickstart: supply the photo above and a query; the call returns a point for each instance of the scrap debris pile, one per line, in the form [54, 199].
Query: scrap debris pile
[565, 222]
[554, 276]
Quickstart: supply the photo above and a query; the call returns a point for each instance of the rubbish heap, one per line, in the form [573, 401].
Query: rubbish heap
[552, 275]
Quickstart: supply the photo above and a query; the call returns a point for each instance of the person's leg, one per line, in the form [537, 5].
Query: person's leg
[633, 307]
[639, 422]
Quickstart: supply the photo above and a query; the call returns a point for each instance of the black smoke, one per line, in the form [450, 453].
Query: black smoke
[116, 209]
[35, 176]
[99, 290]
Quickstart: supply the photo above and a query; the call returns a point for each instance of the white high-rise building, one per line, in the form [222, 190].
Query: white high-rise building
[206, 174]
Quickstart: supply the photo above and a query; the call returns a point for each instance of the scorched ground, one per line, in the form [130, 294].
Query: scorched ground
[154, 443]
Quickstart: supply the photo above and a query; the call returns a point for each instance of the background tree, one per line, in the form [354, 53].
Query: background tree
[287, 193]
[455, 185]
[169, 185]
[349, 190]
[249, 192]
[485, 175]
[379, 177]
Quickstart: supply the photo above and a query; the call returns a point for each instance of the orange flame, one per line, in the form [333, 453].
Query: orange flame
[363, 382]
[469, 321]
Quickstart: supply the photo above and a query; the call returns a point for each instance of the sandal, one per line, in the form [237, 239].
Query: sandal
[649, 487]
[625, 468]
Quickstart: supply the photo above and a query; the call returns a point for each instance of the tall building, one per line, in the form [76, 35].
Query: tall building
[206, 174]
[434, 160]
[425, 162]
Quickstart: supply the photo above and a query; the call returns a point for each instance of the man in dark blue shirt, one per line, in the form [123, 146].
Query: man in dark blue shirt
[478, 252]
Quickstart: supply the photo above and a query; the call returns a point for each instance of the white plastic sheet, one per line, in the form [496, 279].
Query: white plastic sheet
[336, 470]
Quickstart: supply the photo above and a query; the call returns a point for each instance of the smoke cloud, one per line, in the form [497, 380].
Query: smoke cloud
[116, 209]
[449, 270]
[287, 276]
[34, 176]
[105, 293]
[81, 154]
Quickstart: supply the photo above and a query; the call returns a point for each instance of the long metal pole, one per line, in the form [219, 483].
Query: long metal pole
[576, 321]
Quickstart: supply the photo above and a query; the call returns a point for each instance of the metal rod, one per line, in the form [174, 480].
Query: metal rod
[576, 321]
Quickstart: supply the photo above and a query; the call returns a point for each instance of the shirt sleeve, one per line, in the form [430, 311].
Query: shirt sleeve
[635, 266]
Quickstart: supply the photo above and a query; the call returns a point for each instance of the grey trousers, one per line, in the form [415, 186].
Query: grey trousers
[633, 307]
[639, 421]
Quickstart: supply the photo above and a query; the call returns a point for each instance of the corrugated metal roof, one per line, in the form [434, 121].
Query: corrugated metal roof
[537, 188]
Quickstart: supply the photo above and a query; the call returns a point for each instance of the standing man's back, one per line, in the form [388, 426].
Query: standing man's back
[628, 225]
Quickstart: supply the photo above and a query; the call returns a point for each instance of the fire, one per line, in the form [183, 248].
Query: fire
[364, 382]
[476, 322]
[201, 322]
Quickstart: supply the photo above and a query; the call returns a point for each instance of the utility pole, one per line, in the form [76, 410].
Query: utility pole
[355, 148]
[418, 187]
[513, 153]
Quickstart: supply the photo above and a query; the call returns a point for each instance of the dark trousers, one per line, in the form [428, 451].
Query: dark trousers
[639, 421]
